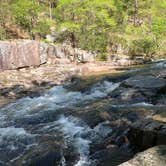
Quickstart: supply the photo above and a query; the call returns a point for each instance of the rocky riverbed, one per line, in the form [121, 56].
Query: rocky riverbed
[101, 121]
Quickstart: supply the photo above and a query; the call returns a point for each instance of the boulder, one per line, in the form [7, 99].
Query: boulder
[25, 53]
[153, 156]
[124, 95]
[147, 133]
[84, 56]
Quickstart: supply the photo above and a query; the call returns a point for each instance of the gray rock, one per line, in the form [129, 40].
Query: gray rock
[123, 95]
[151, 157]
[147, 133]
[50, 38]
[147, 82]
[43, 52]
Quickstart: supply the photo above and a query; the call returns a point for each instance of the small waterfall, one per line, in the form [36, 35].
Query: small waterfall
[72, 130]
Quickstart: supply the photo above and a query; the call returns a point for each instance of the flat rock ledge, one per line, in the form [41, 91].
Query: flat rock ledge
[147, 82]
[151, 157]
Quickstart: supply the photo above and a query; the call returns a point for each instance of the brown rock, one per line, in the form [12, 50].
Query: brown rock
[151, 157]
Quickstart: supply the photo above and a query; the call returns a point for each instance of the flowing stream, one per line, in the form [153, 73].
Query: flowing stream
[43, 131]
[30, 123]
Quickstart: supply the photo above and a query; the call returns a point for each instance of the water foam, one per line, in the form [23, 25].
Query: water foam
[12, 138]
[15, 140]
[55, 98]
[73, 130]
[141, 104]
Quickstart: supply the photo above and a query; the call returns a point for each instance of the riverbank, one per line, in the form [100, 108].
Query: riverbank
[32, 81]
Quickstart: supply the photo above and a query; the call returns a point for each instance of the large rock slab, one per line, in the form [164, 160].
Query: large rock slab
[25, 53]
[151, 157]
[147, 82]
[19, 54]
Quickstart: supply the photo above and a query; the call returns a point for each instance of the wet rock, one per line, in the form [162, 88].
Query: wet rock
[161, 100]
[48, 152]
[153, 156]
[112, 156]
[147, 133]
[145, 82]
[128, 96]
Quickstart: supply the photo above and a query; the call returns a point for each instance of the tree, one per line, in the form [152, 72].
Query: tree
[26, 14]
[86, 23]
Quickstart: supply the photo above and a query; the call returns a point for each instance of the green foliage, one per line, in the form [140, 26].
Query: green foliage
[102, 57]
[89, 21]
[3, 34]
[94, 25]
[25, 13]
[159, 26]
[143, 46]
[42, 28]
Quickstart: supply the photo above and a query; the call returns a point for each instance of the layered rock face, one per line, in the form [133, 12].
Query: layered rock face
[18, 54]
[25, 53]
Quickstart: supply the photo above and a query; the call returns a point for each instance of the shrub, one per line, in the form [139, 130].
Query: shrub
[102, 57]
[143, 46]
[2, 34]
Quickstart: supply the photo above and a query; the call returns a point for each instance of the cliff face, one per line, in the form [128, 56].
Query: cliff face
[25, 53]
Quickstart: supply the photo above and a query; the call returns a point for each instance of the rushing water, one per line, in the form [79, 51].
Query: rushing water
[27, 121]
[73, 135]
[35, 126]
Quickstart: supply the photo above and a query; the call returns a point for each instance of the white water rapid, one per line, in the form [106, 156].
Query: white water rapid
[25, 123]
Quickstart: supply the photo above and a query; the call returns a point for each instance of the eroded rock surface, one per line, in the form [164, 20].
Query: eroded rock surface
[153, 156]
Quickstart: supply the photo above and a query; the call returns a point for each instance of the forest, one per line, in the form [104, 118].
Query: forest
[138, 27]
[82, 82]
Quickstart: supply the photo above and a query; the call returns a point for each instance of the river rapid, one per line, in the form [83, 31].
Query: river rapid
[26, 121]
[37, 131]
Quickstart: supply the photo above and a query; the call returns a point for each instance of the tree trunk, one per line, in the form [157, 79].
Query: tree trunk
[135, 12]
[50, 10]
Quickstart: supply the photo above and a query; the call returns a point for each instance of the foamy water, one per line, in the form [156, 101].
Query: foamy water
[141, 104]
[16, 136]
[56, 98]
[73, 130]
